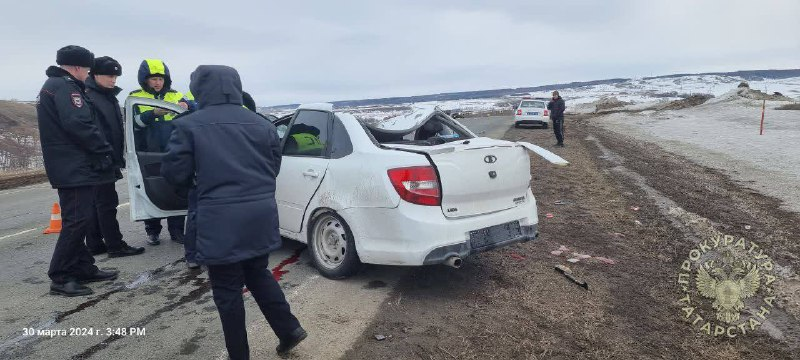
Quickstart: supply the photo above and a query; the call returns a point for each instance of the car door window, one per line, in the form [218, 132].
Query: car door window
[308, 135]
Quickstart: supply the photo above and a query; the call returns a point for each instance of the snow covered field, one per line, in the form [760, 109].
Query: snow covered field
[582, 99]
[724, 134]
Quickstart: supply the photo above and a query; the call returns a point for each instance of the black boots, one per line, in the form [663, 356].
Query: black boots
[152, 239]
[70, 288]
[296, 337]
[177, 237]
[76, 288]
[126, 250]
[100, 275]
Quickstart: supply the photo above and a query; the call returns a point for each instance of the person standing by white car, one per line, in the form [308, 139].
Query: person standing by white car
[557, 107]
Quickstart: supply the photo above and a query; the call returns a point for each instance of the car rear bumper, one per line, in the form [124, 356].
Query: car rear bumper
[531, 121]
[421, 235]
[462, 250]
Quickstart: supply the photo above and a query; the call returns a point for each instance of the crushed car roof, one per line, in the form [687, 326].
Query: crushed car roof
[406, 122]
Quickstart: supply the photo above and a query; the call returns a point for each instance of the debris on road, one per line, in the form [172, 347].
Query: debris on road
[621, 235]
[605, 260]
[635, 208]
[380, 337]
[747, 227]
[567, 272]
[548, 215]
[563, 269]
[637, 222]
[517, 256]
[560, 250]
[561, 202]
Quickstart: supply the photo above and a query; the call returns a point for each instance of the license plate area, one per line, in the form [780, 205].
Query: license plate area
[532, 113]
[494, 234]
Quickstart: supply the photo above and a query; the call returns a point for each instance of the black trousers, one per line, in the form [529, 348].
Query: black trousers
[104, 225]
[174, 225]
[226, 284]
[558, 129]
[71, 259]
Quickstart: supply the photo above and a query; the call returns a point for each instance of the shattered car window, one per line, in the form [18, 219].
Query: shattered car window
[437, 130]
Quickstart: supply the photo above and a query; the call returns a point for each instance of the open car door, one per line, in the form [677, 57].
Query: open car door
[150, 194]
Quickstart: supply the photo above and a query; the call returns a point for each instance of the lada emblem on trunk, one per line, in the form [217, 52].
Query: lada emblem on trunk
[490, 159]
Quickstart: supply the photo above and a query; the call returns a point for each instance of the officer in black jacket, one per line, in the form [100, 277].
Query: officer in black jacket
[77, 158]
[101, 89]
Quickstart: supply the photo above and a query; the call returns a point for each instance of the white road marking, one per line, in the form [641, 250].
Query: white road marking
[9, 192]
[19, 233]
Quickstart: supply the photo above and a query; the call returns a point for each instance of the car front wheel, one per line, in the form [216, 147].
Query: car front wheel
[332, 246]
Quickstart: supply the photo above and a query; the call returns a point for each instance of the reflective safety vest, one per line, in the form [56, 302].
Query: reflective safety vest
[171, 96]
[308, 143]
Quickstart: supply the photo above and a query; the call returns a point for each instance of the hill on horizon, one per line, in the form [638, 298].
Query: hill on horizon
[749, 75]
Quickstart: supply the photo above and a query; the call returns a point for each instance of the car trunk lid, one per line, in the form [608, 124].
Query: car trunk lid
[479, 175]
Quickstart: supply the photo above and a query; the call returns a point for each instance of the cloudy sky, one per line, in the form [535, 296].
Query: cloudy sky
[311, 51]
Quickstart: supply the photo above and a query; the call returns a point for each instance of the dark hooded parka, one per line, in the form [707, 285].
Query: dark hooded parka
[230, 157]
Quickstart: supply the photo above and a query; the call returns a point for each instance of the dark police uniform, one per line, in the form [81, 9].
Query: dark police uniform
[77, 158]
[104, 224]
[231, 157]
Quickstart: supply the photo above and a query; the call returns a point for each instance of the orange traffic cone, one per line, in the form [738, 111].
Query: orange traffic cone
[55, 220]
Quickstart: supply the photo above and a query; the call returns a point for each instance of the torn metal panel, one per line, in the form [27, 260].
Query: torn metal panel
[546, 154]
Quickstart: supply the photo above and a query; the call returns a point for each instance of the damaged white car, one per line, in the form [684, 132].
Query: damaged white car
[413, 190]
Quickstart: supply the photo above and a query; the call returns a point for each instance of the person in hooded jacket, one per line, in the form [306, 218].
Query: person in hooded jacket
[77, 158]
[101, 89]
[152, 128]
[189, 244]
[230, 158]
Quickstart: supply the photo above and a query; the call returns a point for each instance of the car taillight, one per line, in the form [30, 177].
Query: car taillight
[519, 112]
[417, 185]
[546, 113]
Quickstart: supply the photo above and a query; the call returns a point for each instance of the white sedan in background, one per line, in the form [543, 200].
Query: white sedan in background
[418, 189]
[532, 112]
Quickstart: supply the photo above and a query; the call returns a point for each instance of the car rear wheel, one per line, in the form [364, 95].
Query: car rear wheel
[545, 126]
[332, 246]
[516, 124]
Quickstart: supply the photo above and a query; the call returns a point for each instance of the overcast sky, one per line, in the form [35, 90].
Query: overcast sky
[312, 51]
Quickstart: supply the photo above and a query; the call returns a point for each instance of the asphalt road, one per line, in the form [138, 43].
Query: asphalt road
[168, 307]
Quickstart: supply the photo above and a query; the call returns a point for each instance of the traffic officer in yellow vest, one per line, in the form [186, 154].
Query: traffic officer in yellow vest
[153, 127]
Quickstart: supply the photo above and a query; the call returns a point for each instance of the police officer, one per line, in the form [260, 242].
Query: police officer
[101, 89]
[77, 158]
[231, 157]
[154, 126]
